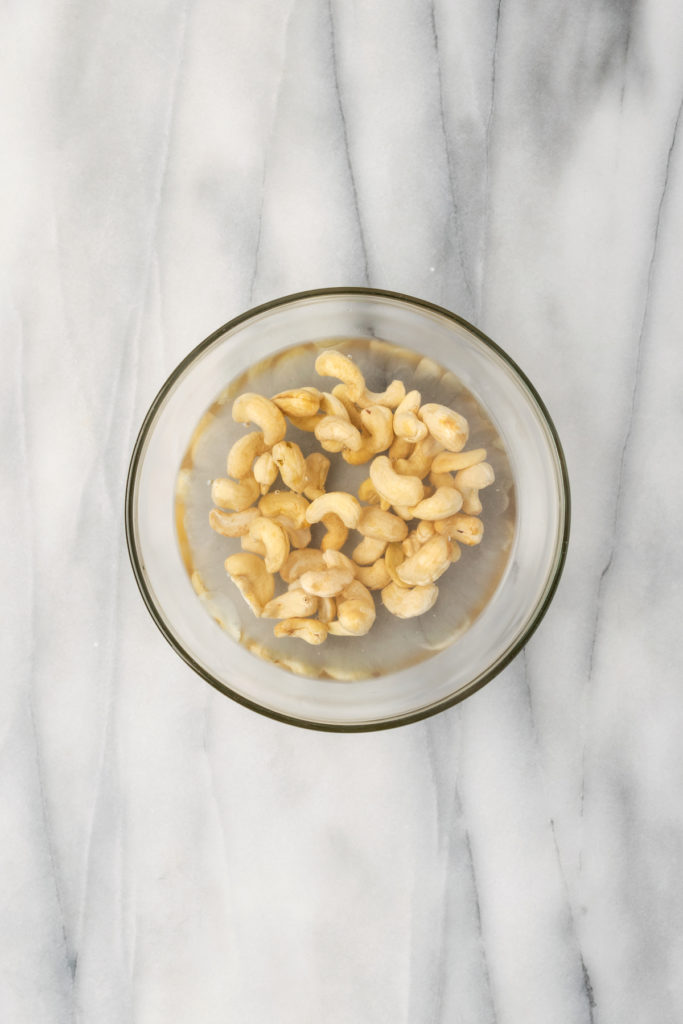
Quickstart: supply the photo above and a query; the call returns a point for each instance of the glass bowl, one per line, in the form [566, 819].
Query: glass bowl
[511, 613]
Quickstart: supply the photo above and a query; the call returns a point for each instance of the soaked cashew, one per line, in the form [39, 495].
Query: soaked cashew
[397, 489]
[391, 397]
[409, 602]
[232, 524]
[469, 482]
[428, 563]
[334, 364]
[342, 504]
[326, 582]
[356, 609]
[338, 560]
[311, 630]
[332, 405]
[445, 425]
[298, 537]
[298, 401]
[336, 432]
[380, 525]
[291, 604]
[249, 574]
[466, 529]
[377, 422]
[243, 453]
[317, 468]
[236, 495]
[340, 391]
[299, 562]
[337, 532]
[406, 422]
[257, 547]
[369, 550]
[424, 530]
[289, 459]
[441, 479]
[375, 576]
[420, 459]
[265, 472]
[253, 408]
[445, 502]
[393, 557]
[450, 462]
[274, 538]
[284, 503]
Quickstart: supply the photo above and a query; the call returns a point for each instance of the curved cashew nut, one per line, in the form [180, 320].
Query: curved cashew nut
[257, 547]
[332, 405]
[374, 577]
[236, 495]
[391, 397]
[299, 537]
[424, 530]
[337, 532]
[265, 472]
[298, 401]
[469, 482]
[249, 574]
[377, 422]
[420, 459]
[243, 453]
[289, 459]
[407, 603]
[367, 492]
[292, 604]
[253, 408]
[466, 529]
[445, 502]
[342, 504]
[299, 562]
[334, 364]
[317, 468]
[449, 462]
[445, 425]
[338, 560]
[310, 630]
[326, 582]
[232, 524]
[406, 423]
[356, 609]
[340, 391]
[369, 550]
[428, 563]
[397, 489]
[337, 432]
[284, 503]
[306, 423]
[274, 538]
[380, 525]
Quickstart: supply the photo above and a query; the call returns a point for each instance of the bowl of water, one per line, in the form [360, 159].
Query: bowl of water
[489, 603]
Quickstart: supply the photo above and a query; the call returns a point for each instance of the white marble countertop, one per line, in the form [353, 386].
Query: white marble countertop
[169, 856]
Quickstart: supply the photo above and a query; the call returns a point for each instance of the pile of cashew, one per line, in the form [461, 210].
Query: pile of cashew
[410, 530]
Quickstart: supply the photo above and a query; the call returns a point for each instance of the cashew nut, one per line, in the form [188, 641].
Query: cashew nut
[337, 532]
[356, 609]
[375, 576]
[342, 504]
[441, 479]
[332, 405]
[237, 495]
[467, 530]
[397, 489]
[445, 502]
[257, 547]
[334, 364]
[336, 432]
[265, 472]
[243, 453]
[420, 459]
[317, 468]
[369, 549]
[310, 630]
[249, 574]
[445, 425]
[298, 401]
[424, 530]
[391, 397]
[232, 524]
[338, 560]
[377, 422]
[274, 538]
[284, 503]
[428, 563]
[326, 582]
[367, 492]
[407, 603]
[299, 562]
[449, 462]
[327, 609]
[289, 459]
[380, 525]
[298, 537]
[291, 604]
[340, 391]
[469, 482]
[406, 423]
[253, 408]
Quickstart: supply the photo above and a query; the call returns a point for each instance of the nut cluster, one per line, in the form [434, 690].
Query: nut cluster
[411, 531]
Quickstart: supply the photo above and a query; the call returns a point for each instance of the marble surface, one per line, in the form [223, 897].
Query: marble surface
[168, 856]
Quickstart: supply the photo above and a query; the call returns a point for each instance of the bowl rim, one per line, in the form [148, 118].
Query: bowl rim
[137, 560]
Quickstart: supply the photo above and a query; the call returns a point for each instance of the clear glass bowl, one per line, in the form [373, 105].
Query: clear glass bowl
[536, 556]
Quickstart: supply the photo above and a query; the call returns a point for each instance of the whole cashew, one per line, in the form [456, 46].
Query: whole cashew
[342, 504]
[232, 524]
[253, 408]
[409, 602]
[310, 630]
[469, 482]
[445, 425]
[466, 529]
[369, 550]
[375, 576]
[331, 405]
[298, 401]
[237, 495]
[289, 459]
[299, 537]
[391, 397]
[420, 459]
[317, 468]
[326, 582]
[337, 532]
[380, 525]
[249, 574]
[428, 563]
[356, 609]
[334, 364]
[406, 423]
[299, 562]
[265, 472]
[424, 530]
[445, 502]
[284, 503]
[377, 422]
[340, 391]
[274, 538]
[291, 604]
[397, 489]
[337, 432]
[449, 462]
[243, 453]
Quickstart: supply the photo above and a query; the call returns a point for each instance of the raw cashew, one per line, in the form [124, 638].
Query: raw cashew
[331, 405]
[336, 432]
[275, 540]
[340, 391]
[397, 489]
[441, 479]
[356, 609]
[249, 574]
[307, 423]
[232, 524]
[317, 468]
[406, 423]
[424, 530]
[427, 564]
[469, 482]
[445, 502]
[375, 576]
[284, 503]
[257, 547]
[265, 472]
[326, 582]
[243, 453]
[377, 422]
[467, 530]
[338, 560]
[380, 525]
[310, 630]
[407, 603]
[299, 537]
[342, 504]
[445, 425]
[367, 492]
[289, 459]
[237, 495]
[334, 364]
[298, 401]
[449, 462]
[253, 408]
[337, 532]
[369, 550]
[291, 604]
[391, 397]
[420, 459]
[299, 562]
